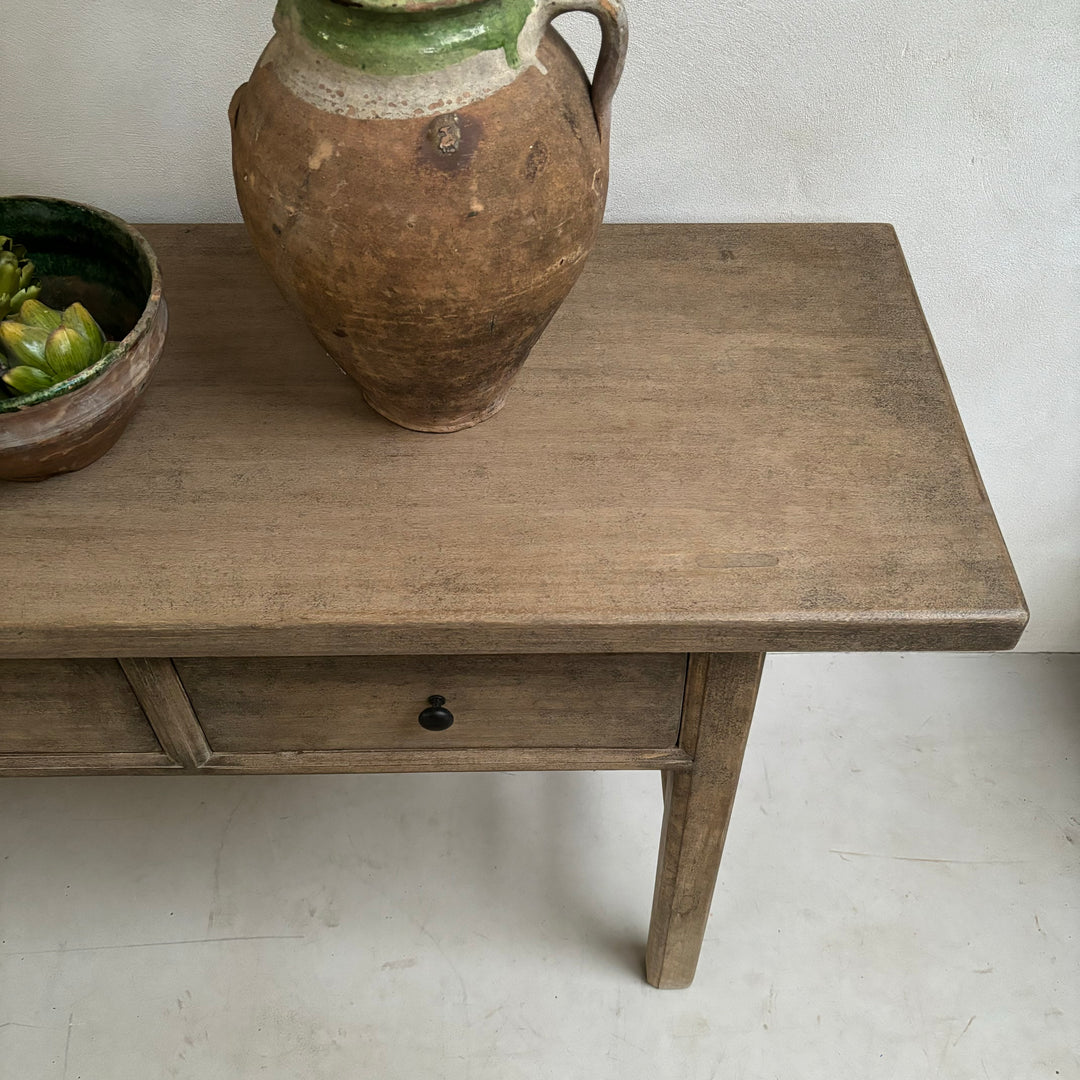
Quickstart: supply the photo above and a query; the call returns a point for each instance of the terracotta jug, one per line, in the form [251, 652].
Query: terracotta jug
[425, 180]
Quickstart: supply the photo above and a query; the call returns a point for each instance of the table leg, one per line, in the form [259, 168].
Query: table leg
[720, 696]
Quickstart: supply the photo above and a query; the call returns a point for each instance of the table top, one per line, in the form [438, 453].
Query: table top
[732, 437]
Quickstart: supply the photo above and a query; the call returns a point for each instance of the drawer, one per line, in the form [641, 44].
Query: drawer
[373, 703]
[70, 707]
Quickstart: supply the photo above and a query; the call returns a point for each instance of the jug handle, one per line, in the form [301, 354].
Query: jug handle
[615, 30]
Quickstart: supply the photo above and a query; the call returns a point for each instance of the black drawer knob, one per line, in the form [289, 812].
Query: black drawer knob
[436, 718]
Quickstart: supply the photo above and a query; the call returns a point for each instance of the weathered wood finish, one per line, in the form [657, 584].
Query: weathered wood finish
[87, 765]
[720, 695]
[543, 759]
[168, 709]
[349, 761]
[732, 438]
[65, 706]
[357, 703]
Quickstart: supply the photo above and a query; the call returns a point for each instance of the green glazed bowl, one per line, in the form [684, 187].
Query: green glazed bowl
[88, 255]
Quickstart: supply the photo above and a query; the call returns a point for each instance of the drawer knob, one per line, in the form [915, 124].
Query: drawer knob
[436, 718]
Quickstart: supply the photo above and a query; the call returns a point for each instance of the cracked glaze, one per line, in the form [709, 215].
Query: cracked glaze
[319, 77]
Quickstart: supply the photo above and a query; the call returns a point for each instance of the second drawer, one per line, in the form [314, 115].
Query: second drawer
[365, 703]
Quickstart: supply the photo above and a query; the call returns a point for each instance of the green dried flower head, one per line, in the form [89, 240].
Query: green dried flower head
[42, 347]
[67, 352]
[16, 277]
[35, 313]
[23, 344]
[80, 320]
[27, 380]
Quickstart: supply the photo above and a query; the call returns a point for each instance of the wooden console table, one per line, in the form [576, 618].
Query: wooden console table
[733, 439]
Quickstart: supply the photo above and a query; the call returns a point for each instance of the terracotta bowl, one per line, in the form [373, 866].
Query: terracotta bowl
[83, 254]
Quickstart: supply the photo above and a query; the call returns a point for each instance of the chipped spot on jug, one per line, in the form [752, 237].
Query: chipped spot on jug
[536, 162]
[446, 134]
[450, 141]
[323, 152]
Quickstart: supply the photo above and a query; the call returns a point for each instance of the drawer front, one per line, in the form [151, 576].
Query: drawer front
[70, 707]
[373, 703]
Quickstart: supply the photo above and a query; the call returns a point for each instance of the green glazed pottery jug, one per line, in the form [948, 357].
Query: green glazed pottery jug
[425, 180]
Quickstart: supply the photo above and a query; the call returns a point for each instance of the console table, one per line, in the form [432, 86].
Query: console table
[732, 439]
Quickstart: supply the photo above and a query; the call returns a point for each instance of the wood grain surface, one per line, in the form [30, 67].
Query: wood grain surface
[71, 706]
[732, 438]
[721, 692]
[166, 704]
[69, 764]
[298, 762]
[368, 703]
[523, 759]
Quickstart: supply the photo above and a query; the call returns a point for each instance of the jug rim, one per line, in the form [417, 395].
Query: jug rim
[406, 6]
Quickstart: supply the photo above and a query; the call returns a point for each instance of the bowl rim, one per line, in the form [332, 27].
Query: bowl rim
[153, 302]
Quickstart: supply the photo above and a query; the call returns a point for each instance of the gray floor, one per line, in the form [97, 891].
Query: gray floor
[899, 899]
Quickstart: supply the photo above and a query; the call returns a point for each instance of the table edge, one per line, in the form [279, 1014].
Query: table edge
[984, 632]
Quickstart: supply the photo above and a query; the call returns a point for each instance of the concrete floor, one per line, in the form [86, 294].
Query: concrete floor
[899, 899]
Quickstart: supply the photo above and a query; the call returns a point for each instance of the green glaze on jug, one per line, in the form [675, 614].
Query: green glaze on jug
[398, 37]
[406, 5]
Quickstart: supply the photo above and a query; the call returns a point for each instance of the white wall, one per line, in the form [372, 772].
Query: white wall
[955, 119]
